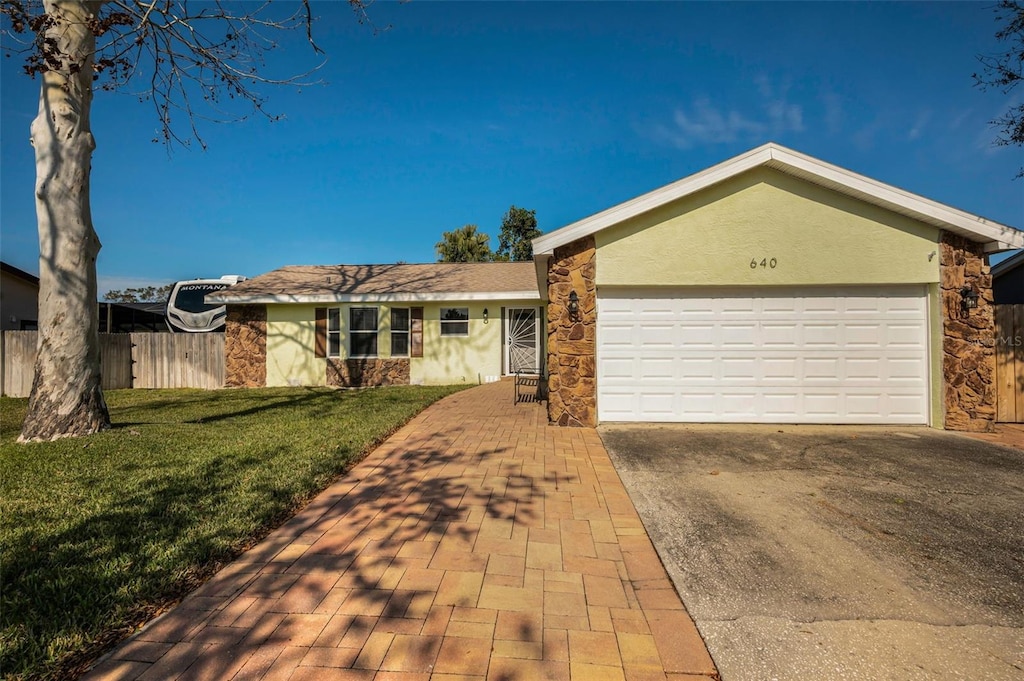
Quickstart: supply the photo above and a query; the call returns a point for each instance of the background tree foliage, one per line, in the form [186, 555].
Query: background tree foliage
[1004, 72]
[518, 230]
[141, 294]
[465, 244]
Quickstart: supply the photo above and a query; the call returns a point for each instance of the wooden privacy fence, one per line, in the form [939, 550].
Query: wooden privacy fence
[178, 360]
[1010, 363]
[127, 360]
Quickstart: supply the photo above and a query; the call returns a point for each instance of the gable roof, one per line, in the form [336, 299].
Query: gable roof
[394, 283]
[995, 236]
[1013, 262]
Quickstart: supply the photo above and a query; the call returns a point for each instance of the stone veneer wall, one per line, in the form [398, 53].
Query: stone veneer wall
[245, 346]
[572, 344]
[369, 372]
[968, 339]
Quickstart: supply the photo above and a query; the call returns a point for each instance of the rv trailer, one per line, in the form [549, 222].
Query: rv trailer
[187, 309]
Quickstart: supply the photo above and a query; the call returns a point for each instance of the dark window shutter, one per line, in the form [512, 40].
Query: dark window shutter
[321, 332]
[415, 331]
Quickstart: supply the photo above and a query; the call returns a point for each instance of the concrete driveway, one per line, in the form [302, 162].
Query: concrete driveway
[837, 552]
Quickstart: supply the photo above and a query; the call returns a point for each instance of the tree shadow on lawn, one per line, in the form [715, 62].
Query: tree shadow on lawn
[118, 561]
[115, 568]
[314, 402]
[347, 554]
[212, 403]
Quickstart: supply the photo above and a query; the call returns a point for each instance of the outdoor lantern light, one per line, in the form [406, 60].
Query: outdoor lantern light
[574, 304]
[485, 315]
[968, 298]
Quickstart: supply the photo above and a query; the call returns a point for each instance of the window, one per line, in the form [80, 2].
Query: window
[333, 332]
[400, 332]
[454, 321]
[363, 331]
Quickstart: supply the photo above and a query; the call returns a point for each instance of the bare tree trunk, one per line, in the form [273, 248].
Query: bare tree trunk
[66, 399]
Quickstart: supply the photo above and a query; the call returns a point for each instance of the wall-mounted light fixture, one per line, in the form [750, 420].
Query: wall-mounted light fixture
[485, 315]
[574, 304]
[968, 299]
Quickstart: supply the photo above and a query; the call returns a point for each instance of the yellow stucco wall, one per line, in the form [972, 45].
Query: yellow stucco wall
[937, 399]
[477, 357]
[459, 359]
[291, 337]
[814, 235]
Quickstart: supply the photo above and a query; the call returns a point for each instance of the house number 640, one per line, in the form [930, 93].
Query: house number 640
[764, 263]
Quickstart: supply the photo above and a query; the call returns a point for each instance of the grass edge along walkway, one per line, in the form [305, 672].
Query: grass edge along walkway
[100, 534]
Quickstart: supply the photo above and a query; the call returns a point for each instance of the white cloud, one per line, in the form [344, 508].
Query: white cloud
[782, 115]
[959, 119]
[705, 123]
[864, 138]
[919, 125]
[833, 112]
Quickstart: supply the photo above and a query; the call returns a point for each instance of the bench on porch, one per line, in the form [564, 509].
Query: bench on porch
[529, 386]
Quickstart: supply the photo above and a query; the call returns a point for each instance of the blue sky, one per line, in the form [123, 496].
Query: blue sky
[461, 109]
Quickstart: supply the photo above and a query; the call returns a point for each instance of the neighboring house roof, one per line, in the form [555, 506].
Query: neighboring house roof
[995, 236]
[21, 274]
[155, 308]
[396, 283]
[1014, 261]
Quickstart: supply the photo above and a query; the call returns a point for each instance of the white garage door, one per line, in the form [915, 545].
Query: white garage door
[832, 355]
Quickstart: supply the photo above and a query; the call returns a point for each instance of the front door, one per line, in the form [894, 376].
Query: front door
[522, 339]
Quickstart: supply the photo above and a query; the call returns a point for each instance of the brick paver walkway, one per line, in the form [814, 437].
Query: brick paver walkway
[476, 543]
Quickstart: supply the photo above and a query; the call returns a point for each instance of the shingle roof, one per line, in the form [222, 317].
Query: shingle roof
[338, 283]
[1014, 261]
[21, 274]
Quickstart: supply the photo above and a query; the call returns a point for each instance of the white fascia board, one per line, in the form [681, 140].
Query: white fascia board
[547, 243]
[376, 297]
[1000, 246]
[898, 200]
[995, 235]
[540, 262]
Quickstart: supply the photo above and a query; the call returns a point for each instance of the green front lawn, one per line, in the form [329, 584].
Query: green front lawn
[98, 534]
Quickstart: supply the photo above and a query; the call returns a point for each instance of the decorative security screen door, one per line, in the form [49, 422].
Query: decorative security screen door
[521, 339]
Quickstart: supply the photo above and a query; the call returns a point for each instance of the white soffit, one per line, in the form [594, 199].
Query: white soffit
[995, 236]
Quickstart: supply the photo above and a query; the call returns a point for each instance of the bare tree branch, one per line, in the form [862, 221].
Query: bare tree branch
[188, 53]
[1005, 71]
